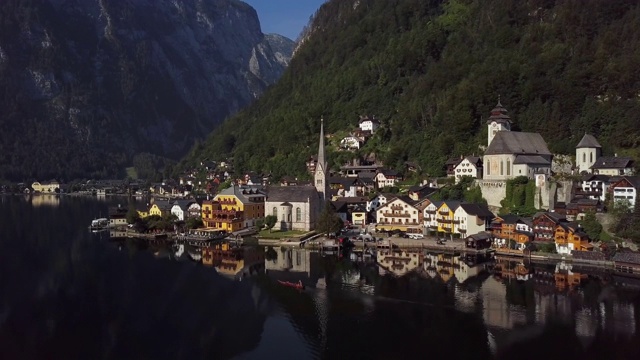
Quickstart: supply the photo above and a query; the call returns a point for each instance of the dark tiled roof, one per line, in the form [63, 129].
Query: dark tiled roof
[454, 161]
[475, 160]
[480, 236]
[291, 193]
[510, 218]
[345, 182]
[531, 159]
[596, 177]
[612, 162]
[633, 180]
[554, 216]
[389, 172]
[512, 142]
[588, 141]
[422, 191]
[477, 210]
[627, 257]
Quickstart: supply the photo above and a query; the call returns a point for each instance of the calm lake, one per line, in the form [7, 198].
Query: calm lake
[68, 293]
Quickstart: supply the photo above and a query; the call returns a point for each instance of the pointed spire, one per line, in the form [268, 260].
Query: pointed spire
[321, 159]
[499, 103]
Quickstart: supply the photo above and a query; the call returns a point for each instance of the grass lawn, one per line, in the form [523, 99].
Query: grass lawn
[277, 234]
[131, 172]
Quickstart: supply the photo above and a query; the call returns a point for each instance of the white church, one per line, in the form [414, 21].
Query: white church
[510, 154]
[299, 207]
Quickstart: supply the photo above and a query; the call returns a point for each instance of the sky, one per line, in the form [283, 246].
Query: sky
[284, 17]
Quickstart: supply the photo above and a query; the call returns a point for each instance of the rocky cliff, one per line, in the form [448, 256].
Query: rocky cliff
[86, 84]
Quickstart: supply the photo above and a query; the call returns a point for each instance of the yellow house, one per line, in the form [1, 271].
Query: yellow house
[160, 208]
[359, 216]
[445, 217]
[46, 187]
[234, 208]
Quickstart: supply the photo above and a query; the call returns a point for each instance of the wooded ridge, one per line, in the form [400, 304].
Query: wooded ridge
[431, 71]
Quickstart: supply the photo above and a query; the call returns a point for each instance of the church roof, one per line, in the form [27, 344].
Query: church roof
[290, 193]
[531, 159]
[499, 115]
[512, 142]
[588, 141]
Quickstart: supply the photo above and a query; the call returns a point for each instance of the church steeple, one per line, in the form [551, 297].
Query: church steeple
[498, 121]
[320, 176]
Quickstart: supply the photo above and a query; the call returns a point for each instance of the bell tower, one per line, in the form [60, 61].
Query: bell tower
[498, 121]
[320, 177]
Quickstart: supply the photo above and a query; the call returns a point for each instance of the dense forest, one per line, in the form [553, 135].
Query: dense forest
[431, 71]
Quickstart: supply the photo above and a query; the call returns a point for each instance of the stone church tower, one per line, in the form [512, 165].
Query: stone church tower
[320, 177]
[498, 121]
[588, 151]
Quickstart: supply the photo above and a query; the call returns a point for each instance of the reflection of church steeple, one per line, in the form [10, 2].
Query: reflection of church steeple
[321, 173]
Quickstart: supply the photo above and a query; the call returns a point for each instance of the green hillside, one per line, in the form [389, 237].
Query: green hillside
[431, 71]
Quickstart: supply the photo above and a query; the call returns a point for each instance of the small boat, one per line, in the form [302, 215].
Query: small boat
[297, 285]
[98, 224]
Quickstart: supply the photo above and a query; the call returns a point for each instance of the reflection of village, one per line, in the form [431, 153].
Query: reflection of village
[511, 296]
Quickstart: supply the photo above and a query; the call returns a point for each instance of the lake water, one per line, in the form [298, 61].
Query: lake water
[67, 293]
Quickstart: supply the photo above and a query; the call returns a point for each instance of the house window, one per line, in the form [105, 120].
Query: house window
[298, 214]
[501, 167]
[591, 157]
[584, 157]
[508, 166]
[488, 167]
[275, 211]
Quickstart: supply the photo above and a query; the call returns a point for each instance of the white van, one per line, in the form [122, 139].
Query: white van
[416, 236]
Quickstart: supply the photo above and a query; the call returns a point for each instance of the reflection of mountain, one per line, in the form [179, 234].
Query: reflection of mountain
[80, 298]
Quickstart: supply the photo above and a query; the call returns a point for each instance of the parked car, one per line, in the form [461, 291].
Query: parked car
[416, 236]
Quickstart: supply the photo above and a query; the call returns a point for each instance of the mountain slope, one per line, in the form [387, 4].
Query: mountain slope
[85, 85]
[431, 71]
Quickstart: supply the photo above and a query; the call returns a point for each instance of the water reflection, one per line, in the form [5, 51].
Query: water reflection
[83, 295]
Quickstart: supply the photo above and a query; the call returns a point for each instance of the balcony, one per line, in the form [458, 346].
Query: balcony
[395, 215]
[228, 202]
[448, 221]
[432, 212]
[444, 213]
[397, 207]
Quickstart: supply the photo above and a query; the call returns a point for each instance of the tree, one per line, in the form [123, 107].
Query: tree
[329, 221]
[259, 224]
[194, 223]
[132, 215]
[270, 221]
[591, 225]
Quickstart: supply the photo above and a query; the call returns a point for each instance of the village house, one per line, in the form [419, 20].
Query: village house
[350, 143]
[592, 187]
[451, 164]
[419, 192]
[365, 183]
[511, 153]
[625, 189]
[367, 123]
[508, 228]
[180, 209]
[379, 200]
[544, 225]
[117, 216]
[479, 241]
[387, 178]
[472, 219]
[430, 216]
[343, 187]
[142, 209]
[160, 208]
[194, 210]
[247, 202]
[576, 209]
[46, 187]
[471, 166]
[216, 217]
[570, 236]
[359, 216]
[627, 262]
[399, 214]
[613, 166]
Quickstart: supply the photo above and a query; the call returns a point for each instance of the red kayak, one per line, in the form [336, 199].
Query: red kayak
[297, 285]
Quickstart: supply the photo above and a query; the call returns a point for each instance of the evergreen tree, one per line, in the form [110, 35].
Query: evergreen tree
[591, 226]
[329, 221]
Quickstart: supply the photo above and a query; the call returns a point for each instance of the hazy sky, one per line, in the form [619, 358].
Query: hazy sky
[284, 17]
